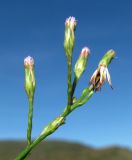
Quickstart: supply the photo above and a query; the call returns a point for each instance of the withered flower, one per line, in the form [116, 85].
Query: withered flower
[102, 74]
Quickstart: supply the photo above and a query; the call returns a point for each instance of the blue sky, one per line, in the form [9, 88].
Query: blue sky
[36, 28]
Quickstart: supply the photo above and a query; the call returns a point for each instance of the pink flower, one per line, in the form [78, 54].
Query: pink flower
[85, 52]
[28, 61]
[71, 22]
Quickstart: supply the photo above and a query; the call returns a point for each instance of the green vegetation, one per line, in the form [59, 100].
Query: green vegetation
[59, 150]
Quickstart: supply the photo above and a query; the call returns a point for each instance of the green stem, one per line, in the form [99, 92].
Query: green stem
[74, 86]
[30, 117]
[52, 127]
[55, 124]
[82, 102]
[69, 83]
[85, 93]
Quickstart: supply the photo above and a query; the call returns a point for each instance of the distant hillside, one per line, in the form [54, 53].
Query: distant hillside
[58, 150]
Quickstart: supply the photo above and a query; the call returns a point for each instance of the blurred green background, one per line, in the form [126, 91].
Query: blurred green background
[62, 150]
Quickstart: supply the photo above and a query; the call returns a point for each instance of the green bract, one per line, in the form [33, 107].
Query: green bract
[107, 58]
[69, 37]
[29, 82]
[81, 63]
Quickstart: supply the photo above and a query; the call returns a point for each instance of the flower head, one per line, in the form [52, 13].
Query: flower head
[69, 37]
[102, 74]
[81, 63]
[85, 52]
[29, 76]
[28, 61]
[71, 22]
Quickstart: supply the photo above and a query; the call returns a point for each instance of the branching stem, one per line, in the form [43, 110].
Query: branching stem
[55, 124]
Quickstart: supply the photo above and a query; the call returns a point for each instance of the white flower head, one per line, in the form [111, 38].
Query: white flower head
[28, 61]
[71, 22]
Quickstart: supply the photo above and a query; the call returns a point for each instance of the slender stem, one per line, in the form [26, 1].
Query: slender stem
[30, 117]
[52, 128]
[84, 94]
[28, 149]
[74, 86]
[82, 102]
[49, 129]
[69, 83]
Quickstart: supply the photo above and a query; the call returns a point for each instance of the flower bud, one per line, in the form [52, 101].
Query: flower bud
[69, 38]
[81, 63]
[29, 76]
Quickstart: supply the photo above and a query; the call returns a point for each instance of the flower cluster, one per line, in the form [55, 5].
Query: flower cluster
[97, 80]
